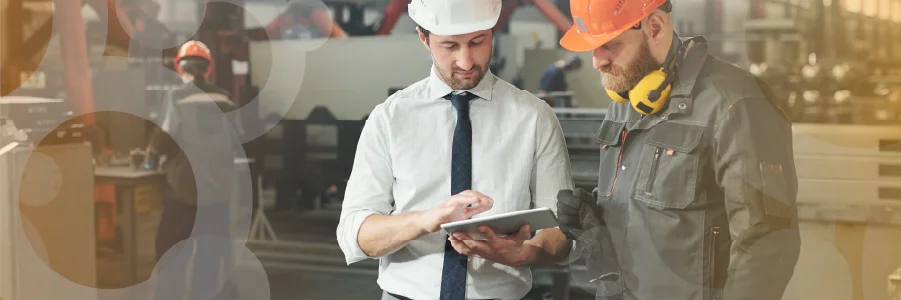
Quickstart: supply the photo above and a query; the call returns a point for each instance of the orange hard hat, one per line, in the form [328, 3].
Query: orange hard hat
[596, 22]
[194, 49]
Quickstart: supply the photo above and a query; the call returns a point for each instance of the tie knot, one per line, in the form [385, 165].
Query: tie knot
[461, 100]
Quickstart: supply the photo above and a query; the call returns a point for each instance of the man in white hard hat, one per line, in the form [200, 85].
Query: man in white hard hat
[459, 143]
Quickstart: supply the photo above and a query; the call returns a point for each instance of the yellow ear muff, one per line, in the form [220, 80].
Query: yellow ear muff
[616, 97]
[640, 94]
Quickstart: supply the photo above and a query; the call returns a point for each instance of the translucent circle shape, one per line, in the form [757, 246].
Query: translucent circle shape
[41, 180]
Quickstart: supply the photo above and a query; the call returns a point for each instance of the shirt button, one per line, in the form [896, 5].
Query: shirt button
[624, 167]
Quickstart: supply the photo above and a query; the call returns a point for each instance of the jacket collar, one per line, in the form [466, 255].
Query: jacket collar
[438, 89]
[687, 75]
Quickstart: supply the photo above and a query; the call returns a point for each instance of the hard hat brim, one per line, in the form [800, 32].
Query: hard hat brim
[461, 28]
[576, 41]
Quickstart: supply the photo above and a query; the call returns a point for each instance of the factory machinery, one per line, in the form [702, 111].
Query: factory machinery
[46, 193]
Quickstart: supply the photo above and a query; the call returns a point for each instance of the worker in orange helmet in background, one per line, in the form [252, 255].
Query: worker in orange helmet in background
[194, 122]
[697, 184]
[194, 51]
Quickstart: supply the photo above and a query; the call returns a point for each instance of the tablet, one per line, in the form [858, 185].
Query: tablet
[504, 224]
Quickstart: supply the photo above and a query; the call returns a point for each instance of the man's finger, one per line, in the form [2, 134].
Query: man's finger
[480, 248]
[471, 193]
[461, 236]
[524, 229]
[460, 246]
[486, 201]
[469, 212]
[488, 233]
[525, 232]
[482, 198]
[458, 201]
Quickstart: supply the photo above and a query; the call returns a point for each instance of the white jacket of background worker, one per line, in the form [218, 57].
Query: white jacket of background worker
[403, 164]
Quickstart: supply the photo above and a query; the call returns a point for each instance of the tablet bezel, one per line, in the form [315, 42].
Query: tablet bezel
[538, 218]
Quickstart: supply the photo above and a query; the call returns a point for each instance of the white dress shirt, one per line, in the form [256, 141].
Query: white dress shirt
[403, 162]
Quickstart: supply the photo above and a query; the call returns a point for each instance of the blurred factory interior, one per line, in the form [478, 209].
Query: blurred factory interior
[97, 71]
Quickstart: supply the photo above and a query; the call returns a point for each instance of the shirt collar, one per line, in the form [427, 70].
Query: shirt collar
[438, 89]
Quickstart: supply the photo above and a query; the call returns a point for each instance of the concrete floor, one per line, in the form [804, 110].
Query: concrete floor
[311, 277]
[310, 267]
[839, 261]
[286, 283]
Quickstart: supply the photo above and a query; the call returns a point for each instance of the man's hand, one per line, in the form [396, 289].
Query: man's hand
[460, 207]
[568, 205]
[514, 250]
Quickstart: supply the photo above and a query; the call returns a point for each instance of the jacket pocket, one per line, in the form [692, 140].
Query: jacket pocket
[670, 166]
[610, 136]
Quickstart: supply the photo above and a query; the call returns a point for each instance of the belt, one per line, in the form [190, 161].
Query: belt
[399, 297]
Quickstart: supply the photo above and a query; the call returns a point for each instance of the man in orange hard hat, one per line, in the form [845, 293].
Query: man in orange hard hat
[195, 202]
[697, 185]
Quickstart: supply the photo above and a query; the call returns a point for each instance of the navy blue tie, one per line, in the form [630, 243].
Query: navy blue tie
[453, 274]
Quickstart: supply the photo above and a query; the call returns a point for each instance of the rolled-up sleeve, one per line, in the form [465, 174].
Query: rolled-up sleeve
[369, 187]
[551, 171]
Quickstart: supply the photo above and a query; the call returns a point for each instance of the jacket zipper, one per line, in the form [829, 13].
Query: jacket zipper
[654, 164]
[619, 160]
[714, 295]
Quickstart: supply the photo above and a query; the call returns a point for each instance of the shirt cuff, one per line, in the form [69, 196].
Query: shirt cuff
[350, 242]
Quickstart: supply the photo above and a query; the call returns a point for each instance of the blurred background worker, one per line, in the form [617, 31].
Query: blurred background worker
[554, 77]
[196, 194]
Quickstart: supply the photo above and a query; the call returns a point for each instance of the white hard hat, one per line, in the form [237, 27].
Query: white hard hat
[453, 17]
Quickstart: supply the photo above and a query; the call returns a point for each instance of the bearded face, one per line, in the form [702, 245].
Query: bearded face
[622, 78]
[459, 79]
[461, 61]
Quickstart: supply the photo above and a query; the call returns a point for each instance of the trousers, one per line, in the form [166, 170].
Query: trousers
[186, 244]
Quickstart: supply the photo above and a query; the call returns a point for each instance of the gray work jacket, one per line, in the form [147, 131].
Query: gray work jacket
[699, 199]
[196, 122]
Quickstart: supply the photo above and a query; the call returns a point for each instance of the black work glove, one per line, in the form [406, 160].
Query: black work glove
[581, 219]
[569, 203]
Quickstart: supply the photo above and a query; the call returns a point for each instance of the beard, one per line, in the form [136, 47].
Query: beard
[622, 79]
[457, 82]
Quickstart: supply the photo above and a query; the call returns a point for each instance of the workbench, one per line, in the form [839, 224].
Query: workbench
[129, 182]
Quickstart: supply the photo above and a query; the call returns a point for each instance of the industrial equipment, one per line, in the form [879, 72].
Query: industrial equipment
[46, 203]
[41, 120]
[558, 99]
[580, 128]
[311, 168]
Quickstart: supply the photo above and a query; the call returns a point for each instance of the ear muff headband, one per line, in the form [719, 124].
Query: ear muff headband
[650, 95]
